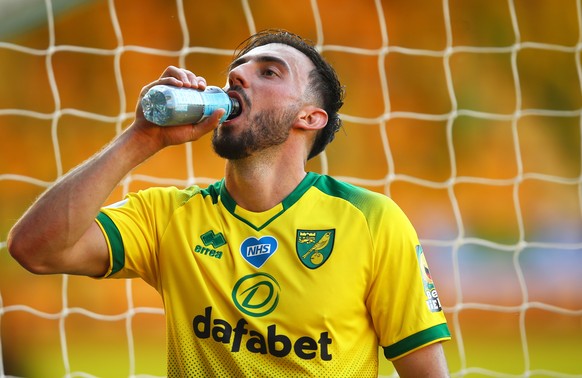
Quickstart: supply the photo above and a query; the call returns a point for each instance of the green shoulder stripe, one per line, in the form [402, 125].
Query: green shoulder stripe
[435, 333]
[115, 241]
[212, 190]
[361, 198]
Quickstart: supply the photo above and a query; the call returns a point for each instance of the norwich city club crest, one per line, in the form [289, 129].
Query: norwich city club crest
[314, 246]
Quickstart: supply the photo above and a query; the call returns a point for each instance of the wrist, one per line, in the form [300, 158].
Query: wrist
[138, 143]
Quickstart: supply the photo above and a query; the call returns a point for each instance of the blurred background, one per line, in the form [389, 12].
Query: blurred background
[465, 112]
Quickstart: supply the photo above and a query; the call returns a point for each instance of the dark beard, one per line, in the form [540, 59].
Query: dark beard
[267, 129]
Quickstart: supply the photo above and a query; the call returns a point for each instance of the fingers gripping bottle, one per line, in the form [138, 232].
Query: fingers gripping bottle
[166, 105]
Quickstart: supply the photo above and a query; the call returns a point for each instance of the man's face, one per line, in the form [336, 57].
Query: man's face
[270, 82]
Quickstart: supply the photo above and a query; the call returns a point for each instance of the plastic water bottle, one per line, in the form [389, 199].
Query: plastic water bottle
[166, 105]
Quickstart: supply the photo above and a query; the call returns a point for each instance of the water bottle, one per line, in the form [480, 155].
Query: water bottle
[166, 105]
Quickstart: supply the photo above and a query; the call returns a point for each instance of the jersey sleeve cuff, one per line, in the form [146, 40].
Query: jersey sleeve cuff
[439, 332]
[114, 243]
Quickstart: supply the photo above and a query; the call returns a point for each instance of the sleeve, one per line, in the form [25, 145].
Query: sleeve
[133, 229]
[403, 300]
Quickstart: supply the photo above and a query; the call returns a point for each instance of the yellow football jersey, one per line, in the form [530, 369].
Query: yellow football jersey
[311, 287]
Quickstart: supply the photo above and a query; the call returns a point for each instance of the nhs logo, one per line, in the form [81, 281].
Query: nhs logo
[257, 251]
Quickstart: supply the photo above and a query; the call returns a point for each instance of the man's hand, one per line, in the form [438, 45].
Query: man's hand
[163, 136]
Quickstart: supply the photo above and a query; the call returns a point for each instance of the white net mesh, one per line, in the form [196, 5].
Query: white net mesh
[467, 113]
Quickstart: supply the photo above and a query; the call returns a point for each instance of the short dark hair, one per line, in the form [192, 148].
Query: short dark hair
[324, 81]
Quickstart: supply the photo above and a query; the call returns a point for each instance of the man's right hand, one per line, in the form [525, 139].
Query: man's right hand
[163, 136]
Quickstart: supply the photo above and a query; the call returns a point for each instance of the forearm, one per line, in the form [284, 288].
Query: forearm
[63, 213]
[58, 234]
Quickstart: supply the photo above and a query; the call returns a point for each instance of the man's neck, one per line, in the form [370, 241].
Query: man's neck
[258, 184]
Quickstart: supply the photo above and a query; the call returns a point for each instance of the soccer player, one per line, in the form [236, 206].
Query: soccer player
[271, 271]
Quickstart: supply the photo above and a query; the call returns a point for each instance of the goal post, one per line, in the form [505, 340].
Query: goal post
[466, 113]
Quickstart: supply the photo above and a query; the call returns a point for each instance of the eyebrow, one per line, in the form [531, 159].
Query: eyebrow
[260, 59]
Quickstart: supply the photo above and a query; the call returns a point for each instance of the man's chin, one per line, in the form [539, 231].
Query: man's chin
[230, 152]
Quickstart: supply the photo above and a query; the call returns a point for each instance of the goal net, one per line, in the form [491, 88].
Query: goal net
[466, 112]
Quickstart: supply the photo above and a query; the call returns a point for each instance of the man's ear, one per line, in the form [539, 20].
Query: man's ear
[311, 118]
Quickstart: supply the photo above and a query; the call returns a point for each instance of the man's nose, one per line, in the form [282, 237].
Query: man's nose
[238, 76]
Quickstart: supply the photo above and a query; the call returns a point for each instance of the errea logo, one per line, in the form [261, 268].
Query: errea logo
[216, 241]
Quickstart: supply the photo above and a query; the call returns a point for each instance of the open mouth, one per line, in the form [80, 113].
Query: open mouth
[237, 104]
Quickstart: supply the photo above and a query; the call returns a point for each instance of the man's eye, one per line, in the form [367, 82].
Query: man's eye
[269, 72]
